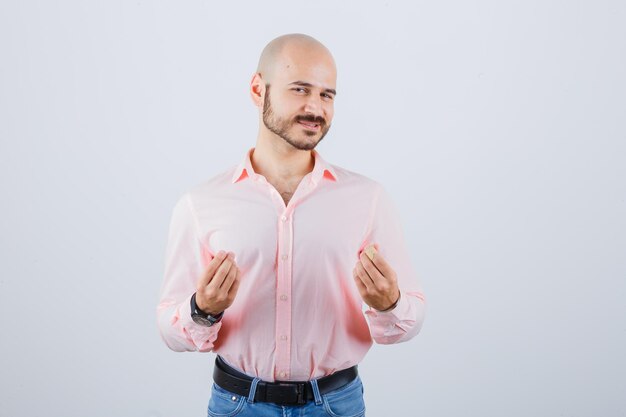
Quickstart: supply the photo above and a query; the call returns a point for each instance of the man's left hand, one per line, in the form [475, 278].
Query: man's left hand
[376, 281]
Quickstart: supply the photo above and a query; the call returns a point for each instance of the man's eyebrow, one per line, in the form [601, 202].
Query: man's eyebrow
[305, 84]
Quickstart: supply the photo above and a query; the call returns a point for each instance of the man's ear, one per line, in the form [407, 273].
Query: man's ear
[257, 89]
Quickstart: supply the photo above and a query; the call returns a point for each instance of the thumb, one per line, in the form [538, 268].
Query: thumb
[207, 256]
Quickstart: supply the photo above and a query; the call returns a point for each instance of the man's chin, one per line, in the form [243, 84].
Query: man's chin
[304, 138]
[304, 145]
[307, 146]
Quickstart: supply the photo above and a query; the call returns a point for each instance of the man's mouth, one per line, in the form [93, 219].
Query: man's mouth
[309, 125]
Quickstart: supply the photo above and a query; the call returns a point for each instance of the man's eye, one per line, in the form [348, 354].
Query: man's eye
[328, 95]
[298, 88]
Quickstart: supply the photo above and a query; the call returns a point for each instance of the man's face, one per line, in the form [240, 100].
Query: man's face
[300, 106]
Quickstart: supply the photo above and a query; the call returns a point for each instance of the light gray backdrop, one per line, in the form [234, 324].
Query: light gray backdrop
[497, 126]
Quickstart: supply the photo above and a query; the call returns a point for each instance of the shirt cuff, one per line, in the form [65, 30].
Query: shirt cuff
[400, 311]
[202, 337]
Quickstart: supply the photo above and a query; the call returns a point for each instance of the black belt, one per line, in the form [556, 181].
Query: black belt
[279, 392]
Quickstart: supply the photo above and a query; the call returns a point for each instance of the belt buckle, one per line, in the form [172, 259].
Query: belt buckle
[299, 388]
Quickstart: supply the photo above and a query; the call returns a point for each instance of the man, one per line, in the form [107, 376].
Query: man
[266, 263]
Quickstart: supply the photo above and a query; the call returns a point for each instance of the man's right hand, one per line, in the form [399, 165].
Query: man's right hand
[218, 286]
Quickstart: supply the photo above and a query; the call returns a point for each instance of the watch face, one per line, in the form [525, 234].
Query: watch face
[202, 320]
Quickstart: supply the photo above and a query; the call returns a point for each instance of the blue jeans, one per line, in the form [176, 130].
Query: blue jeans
[346, 401]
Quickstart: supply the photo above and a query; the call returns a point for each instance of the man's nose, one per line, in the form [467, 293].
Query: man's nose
[313, 105]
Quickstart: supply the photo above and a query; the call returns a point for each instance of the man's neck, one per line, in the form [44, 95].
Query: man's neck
[281, 162]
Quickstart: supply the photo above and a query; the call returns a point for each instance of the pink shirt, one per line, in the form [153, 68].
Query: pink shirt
[298, 314]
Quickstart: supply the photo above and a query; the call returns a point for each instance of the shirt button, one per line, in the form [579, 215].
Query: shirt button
[283, 374]
[284, 257]
[283, 297]
[283, 337]
[284, 218]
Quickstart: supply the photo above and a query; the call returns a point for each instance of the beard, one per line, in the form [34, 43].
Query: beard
[281, 126]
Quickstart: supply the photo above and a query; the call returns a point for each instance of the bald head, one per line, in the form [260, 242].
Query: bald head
[287, 50]
[303, 77]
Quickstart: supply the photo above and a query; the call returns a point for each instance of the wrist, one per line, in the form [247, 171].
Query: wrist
[205, 310]
[201, 317]
[394, 305]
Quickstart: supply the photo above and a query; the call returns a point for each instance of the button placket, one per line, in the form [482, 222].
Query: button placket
[283, 290]
[284, 272]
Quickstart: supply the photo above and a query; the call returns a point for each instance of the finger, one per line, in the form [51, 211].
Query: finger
[232, 292]
[372, 271]
[359, 284]
[230, 278]
[221, 273]
[370, 250]
[382, 265]
[367, 261]
[364, 277]
[211, 268]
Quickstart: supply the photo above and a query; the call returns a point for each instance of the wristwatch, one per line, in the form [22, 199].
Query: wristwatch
[202, 318]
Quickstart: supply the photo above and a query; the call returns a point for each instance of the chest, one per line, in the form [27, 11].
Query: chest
[326, 227]
[286, 189]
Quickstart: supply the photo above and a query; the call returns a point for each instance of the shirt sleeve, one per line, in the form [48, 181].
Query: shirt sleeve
[405, 320]
[186, 258]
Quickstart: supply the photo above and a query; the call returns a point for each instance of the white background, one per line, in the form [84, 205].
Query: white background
[497, 126]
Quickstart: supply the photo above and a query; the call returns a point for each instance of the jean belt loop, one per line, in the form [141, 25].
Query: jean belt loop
[252, 393]
[316, 392]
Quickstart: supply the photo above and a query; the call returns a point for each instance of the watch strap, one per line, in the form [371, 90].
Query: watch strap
[205, 318]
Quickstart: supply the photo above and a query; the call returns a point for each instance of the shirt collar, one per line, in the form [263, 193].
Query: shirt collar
[321, 169]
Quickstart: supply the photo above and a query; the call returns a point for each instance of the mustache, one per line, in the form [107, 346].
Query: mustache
[311, 119]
